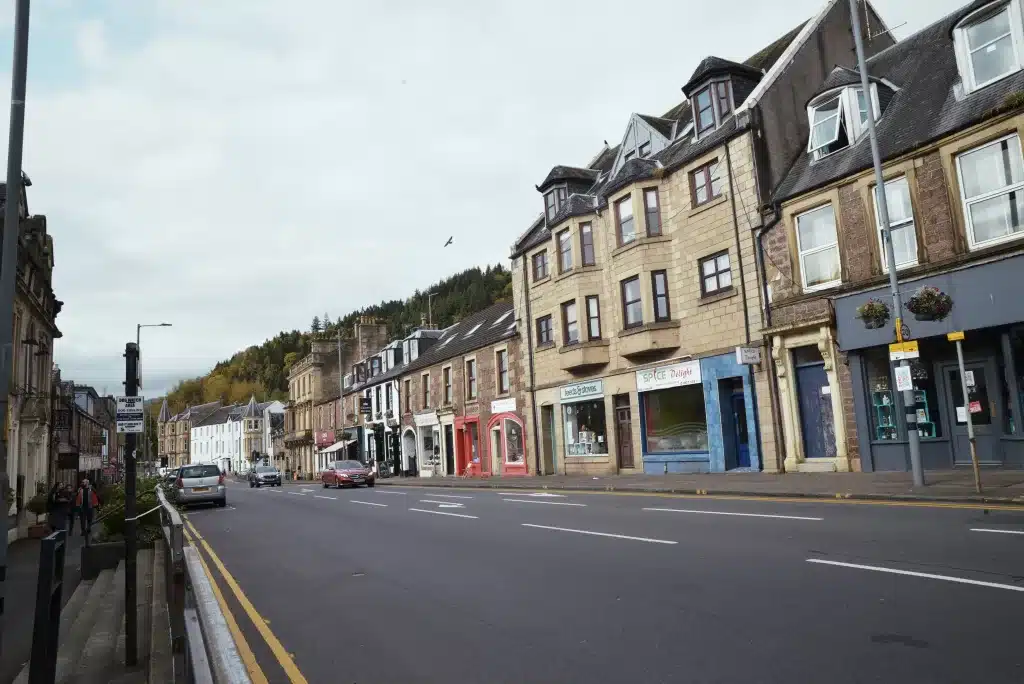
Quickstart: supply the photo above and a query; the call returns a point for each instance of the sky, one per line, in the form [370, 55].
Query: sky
[236, 167]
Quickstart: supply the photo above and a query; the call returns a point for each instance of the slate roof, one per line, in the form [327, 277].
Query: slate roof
[497, 322]
[716, 66]
[767, 56]
[564, 173]
[252, 409]
[928, 105]
[216, 417]
[165, 413]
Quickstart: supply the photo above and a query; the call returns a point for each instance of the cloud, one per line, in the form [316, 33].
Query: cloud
[236, 167]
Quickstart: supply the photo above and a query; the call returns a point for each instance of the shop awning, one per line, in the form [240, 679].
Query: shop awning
[337, 446]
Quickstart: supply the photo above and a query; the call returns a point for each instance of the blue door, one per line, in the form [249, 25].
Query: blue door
[739, 426]
[815, 400]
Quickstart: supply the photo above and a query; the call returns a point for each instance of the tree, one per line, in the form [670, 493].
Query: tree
[314, 327]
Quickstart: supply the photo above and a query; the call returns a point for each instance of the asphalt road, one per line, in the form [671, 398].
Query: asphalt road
[399, 584]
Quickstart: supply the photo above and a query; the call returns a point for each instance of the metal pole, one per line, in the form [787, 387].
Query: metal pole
[970, 420]
[9, 263]
[131, 355]
[909, 402]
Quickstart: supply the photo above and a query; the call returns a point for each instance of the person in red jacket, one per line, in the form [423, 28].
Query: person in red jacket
[86, 501]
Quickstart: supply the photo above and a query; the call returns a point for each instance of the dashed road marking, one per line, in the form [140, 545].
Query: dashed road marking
[743, 515]
[318, 496]
[601, 534]
[986, 529]
[367, 503]
[454, 515]
[911, 573]
[546, 503]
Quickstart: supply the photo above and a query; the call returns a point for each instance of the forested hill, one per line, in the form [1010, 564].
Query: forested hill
[263, 369]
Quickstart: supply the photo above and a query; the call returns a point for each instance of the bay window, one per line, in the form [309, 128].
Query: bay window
[624, 220]
[901, 224]
[570, 325]
[652, 212]
[586, 244]
[992, 191]
[564, 251]
[593, 318]
[632, 306]
[818, 247]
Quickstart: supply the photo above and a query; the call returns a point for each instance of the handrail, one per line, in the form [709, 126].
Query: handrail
[204, 649]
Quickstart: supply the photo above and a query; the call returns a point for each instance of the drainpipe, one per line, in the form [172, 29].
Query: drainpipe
[766, 313]
[739, 250]
[529, 354]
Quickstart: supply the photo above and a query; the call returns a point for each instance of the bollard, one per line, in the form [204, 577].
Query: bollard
[46, 634]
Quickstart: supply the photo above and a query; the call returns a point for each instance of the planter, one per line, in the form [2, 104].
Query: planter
[874, 313]
[98, 557]
[875, 323]
[929, 304]
[927, 317]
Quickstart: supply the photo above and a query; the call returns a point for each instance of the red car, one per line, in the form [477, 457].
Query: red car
[344, 473]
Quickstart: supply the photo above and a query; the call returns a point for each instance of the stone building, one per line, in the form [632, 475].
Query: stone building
[637, 287]
[174, 433]
[952, 162]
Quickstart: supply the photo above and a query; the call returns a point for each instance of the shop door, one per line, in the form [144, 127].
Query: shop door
[624, 436]
[449, 449]
[547, 421]
[984, 417]
[739, 429]
[815, 400]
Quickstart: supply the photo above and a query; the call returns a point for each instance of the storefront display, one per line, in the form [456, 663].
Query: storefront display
[675, 420]
[585, 432]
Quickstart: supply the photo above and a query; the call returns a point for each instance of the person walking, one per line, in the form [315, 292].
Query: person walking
[86, 501]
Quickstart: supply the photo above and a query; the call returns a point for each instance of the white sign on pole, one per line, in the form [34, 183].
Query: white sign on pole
[748, 355]
[969, 378]
[904, 380]
[130, 411]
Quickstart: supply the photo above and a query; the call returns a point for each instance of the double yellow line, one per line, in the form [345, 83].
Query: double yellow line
[248, 657]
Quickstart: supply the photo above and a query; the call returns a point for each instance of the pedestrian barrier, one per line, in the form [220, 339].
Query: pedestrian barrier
[203, 649]
[43, 665]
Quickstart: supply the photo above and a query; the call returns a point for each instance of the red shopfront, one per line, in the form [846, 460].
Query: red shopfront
[498, 448]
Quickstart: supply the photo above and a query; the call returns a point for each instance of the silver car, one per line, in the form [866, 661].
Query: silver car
[201, 483]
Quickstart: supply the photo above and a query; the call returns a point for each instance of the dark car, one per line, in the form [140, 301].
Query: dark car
[264, 475]
[347, 473]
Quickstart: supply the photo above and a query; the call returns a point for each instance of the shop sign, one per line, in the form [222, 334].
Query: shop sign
[89, 463]
[425, 419]
[503, 405]
[581, 391]
[748, 356]
[365, 406]
[676, 375]
[324, 438]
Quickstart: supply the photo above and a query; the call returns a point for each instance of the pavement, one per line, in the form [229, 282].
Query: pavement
[408, 584]
[20, 599]
[1005, 486]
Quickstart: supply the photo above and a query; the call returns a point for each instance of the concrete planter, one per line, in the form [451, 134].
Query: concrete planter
[98, 557]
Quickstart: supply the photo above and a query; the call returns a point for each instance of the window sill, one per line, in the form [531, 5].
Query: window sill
[541, 281]
[821, 288]
[657, 325]
[710, 204]
[576, 271]
[565, 348]
[718, 296]
[640, 241]
[546, 345]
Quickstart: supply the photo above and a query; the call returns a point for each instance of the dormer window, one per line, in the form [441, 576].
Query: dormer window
[989, 44]
[711, 105]
[838, 120]
[553, 201]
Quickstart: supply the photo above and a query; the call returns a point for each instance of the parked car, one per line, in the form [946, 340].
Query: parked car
[346, 473]
[201, 483]
[264, 475]
[169, 477]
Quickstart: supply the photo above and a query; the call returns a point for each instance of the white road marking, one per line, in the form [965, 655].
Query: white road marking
[546, 503]
[367, 503]
[441, 503]
[297, 493]
[454, 515]
[745, 515]
[380, 491]
[450, 496]
[985, 529]
[926, 575]
[544, 495]
[332, 498]
[601, 534]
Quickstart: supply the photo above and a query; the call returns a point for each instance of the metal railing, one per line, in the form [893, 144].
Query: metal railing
[202, 647]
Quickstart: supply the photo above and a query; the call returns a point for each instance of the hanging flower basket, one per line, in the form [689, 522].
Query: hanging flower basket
[930, 304]
[874, 313]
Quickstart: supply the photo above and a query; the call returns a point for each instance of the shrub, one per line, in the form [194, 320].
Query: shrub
[37, 504]
[873, 310]
[147, 529]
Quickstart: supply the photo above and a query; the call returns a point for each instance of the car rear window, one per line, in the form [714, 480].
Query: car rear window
[200, 471]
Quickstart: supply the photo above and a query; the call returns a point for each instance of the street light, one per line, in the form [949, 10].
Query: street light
[138, 340]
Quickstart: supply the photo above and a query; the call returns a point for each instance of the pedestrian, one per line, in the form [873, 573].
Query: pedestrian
[86, 501]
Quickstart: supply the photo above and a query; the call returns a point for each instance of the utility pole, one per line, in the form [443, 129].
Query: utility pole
[131, 379]
[9, 264]
[909, 401]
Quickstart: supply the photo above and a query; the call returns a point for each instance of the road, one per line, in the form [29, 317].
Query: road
[406, 584]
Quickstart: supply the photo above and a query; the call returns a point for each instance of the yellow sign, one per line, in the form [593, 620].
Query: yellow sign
[899, 351]
[955, 336]
[899, 329]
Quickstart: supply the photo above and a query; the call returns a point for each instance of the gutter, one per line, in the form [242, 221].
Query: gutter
[533, 383]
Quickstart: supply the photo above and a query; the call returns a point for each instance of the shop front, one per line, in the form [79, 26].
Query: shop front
[585, 425]
[409, 452]
[698, 416]
[323, 439]
[990, 313]
[428, 443]
[507, 439]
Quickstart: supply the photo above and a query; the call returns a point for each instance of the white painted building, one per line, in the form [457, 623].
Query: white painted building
[230, 434]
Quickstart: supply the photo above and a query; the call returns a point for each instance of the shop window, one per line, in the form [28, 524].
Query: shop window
[926, 396]
[675, 420]
[513, 442]
[585, 429]
[884, 412]
[1015, 405]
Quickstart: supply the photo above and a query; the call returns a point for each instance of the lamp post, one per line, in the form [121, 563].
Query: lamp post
[145, 427]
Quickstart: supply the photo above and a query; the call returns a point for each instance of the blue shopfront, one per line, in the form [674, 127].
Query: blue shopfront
[698, 417]
[988, 308]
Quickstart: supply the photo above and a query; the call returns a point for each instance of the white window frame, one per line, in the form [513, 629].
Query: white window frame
[895, 225]
[963, 51]
[848, 114]
[965, 202]
[801, 253]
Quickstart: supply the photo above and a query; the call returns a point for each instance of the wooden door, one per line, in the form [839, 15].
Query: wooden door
[624, 436]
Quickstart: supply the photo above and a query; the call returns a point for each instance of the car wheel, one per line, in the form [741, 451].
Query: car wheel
[222, 503]
[325, 484]
[258, 485]
[370, 483]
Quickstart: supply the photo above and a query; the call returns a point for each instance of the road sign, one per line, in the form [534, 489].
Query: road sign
[130, 411]
[957, 336]
[900, 351]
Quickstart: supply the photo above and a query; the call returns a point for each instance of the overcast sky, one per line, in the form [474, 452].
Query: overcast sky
[237, 167]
